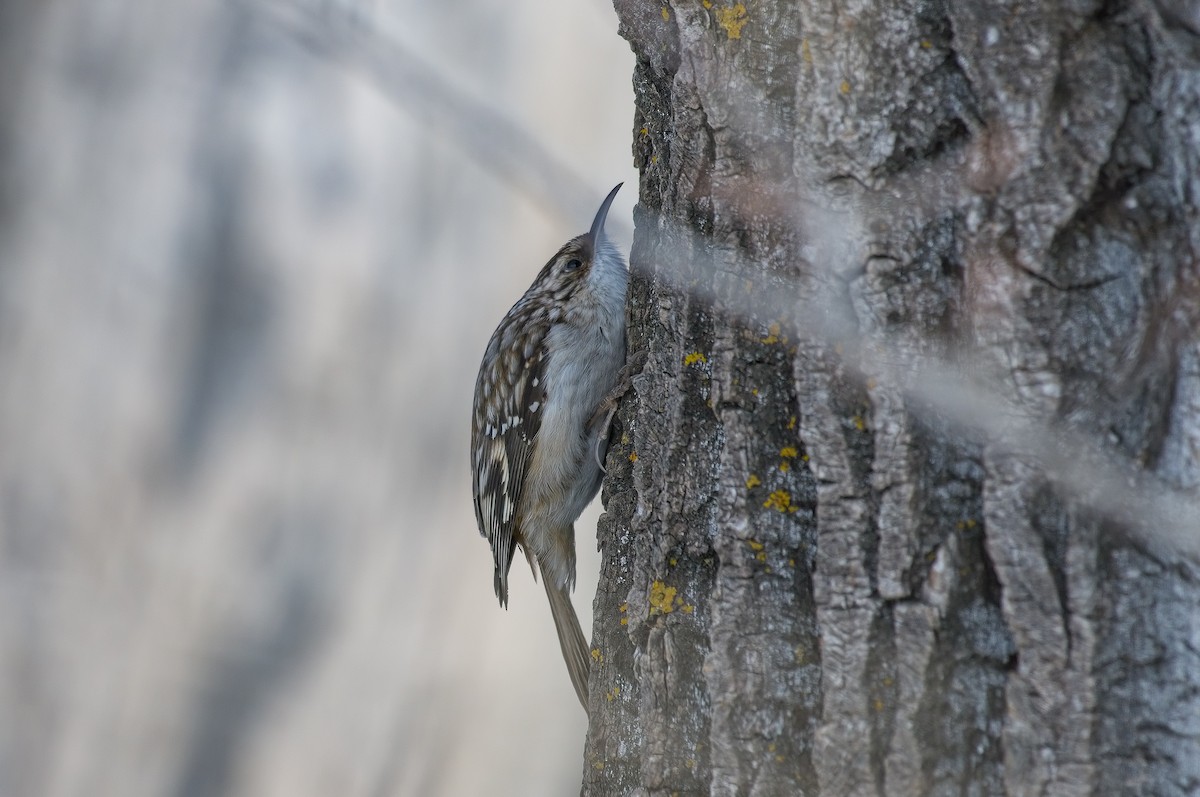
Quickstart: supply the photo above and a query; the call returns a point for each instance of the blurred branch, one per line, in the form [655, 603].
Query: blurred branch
[1160, 519]
[486, 135]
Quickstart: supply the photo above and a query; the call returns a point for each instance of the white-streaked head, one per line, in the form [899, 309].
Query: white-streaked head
[591, 259]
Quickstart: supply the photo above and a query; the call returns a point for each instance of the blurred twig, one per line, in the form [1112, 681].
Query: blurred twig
[484, 134]
[1161, 520]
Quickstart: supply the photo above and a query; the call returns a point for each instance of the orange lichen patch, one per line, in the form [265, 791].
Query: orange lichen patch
[755, 545]
[633, 456]
[687, 608]
[772, 334]
[644, 132]
[612, 693]
[859, 423]
[706, 3]
[806, 51]
[666, 15]
[694, 357]
[597, 656]
[662, 598]
[732, 19]
[926, 44]
[844, 87]
[784, 467]
[788, 452]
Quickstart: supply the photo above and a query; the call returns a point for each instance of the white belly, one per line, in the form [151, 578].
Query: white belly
[579, 376]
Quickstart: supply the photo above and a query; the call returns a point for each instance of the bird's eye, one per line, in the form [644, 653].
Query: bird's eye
[573, 264]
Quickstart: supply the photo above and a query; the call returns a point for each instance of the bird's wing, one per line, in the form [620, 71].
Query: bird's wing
[510, 395]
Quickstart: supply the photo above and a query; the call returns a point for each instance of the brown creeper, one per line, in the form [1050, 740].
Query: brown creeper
[551, 363]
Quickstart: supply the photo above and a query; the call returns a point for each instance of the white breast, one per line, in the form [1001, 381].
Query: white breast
[586, 353]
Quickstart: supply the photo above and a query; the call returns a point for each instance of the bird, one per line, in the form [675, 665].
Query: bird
[544, 399]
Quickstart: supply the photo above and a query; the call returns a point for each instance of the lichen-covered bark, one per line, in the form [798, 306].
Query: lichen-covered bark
[812, 582]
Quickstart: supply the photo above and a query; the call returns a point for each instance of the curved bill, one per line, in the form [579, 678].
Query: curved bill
[602, 213]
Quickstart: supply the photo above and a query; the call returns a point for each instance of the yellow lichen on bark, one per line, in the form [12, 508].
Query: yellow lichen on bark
[662, 598]
[732, 19]
[779, 500]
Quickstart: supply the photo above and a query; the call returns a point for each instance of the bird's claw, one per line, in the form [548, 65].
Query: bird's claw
[608, 407]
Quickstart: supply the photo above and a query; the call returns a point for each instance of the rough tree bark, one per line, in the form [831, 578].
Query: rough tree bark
[812, 584]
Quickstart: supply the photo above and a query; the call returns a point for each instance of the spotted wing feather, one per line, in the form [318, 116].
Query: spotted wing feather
[509, 397]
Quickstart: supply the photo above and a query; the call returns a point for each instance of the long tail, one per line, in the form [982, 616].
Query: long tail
[570, 639]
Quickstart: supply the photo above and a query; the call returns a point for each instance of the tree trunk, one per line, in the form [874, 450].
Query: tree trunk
[820, 578]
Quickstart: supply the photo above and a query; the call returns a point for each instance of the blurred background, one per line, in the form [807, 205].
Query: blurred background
[250, 255]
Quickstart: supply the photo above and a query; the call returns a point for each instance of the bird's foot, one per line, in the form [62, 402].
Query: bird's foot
[603, 416]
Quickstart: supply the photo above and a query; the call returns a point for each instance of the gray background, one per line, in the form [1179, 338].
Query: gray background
[250, 255]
